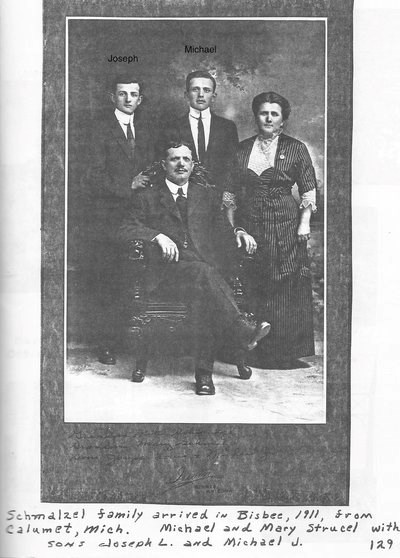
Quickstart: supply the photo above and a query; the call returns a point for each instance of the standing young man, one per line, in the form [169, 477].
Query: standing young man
[120, 148]
[214, 139]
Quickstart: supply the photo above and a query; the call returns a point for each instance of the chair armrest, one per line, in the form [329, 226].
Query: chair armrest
[137, 256]
[135, 250]
[133, 269]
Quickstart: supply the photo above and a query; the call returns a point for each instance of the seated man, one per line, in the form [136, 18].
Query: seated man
[182, 214]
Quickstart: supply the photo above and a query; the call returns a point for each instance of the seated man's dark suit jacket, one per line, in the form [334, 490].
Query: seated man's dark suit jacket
[110, 170]
[154, 211]
[221, 150]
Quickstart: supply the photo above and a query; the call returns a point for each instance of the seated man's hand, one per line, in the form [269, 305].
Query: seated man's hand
[246, 240]
[168, 247]
[140, 181]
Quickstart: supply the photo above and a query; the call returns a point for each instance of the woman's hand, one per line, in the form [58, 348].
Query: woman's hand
[246, 240]
[303, 232]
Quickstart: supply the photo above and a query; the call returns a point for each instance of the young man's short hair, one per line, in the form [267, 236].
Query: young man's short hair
[200, 74]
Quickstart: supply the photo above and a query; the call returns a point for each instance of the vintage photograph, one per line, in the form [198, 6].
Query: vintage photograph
[196, 254]
[100, 485]
[195, 220]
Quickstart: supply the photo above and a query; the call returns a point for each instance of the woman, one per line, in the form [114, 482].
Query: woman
[268, 166]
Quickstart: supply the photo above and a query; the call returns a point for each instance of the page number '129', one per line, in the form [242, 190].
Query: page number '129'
[381, 545]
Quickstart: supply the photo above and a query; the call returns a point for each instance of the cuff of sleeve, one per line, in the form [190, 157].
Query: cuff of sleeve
[309, 199]
[306, 203]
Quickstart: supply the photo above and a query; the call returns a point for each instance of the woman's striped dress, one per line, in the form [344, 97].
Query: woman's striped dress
[279, 281]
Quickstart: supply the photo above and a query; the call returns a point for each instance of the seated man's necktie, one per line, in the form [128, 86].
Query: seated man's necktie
[181, 202]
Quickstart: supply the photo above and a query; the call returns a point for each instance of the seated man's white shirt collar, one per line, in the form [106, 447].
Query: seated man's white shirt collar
[173, 188]
[124, 120]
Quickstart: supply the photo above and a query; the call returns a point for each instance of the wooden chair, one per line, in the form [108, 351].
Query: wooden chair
[159, 325]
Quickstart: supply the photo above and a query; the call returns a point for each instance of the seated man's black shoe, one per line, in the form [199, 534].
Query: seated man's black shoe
[245, 372]
[138, 376]
[262, 330]
[107, 356]
[204, 383]
[248, 332]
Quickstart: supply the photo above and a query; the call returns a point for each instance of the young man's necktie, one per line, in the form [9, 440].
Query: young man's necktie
[131, 140]
[201, 140]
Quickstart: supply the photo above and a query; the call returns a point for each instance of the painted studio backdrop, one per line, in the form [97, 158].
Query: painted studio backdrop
[250, 57]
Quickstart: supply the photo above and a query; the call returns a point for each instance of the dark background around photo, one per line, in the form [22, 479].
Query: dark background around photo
[266, 464]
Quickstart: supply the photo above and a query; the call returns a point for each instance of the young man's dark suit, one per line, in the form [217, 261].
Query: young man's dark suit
[110, 172]
[111, 168]
[221, 150]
